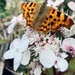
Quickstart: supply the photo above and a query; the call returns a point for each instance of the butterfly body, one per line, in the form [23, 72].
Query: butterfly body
[44, 18]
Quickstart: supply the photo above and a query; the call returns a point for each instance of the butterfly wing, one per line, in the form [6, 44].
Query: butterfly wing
[30, 11]
[52, 20]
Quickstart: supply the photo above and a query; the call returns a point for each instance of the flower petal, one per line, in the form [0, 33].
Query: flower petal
[73, 29]
[25, 58]
[7, 23]
[21, 20]
[58, 2]
[17, 60]
[15, 43]
[64, 55]
[24, 43]
[9, 54]
[47, 58]
[62, 65]
[50, 2]
[14, 19]
[37, 71]
[71, 5]
[11, 27]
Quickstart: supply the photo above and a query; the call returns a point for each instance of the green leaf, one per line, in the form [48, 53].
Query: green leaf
[4, 41]
[48, 71]
[72, 64]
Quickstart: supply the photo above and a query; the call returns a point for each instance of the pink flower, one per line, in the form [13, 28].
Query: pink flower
[50, 40]
[68, 45]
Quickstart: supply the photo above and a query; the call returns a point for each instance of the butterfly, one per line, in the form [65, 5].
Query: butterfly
[43, 18]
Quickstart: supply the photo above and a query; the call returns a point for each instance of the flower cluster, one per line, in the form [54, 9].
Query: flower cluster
[39, 52]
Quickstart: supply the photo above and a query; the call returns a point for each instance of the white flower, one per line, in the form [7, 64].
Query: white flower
[25, 57]
[71, 5]
[68, 45]
[33, 37]
[37, 49]
[37, 71]
[54, 4]
[47, 58]
[67, 33]
[72, 30]
[54, 47]
[17, 47]
[61, 64]
[63, 55]
[14, 22]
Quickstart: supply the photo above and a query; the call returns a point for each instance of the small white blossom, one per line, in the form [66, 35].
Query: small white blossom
[47, 58]
[53, 47]
[61, 64]
[17, 47]
[37, 71]
[67, 33]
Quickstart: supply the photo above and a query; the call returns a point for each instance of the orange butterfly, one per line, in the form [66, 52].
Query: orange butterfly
[43, 18]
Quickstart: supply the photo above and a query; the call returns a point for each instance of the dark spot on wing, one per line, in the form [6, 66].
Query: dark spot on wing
[31, 4]
[45, 22]
[58, 14]
[52, 23]
[65, 18]
[53, 11]
[45, 26]
[50, 16]
[49, 24]
[32, 9]
[58, 19]
[54, 19]
[26, 4]
[34, 5]
[60, 24]
[46, 18]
